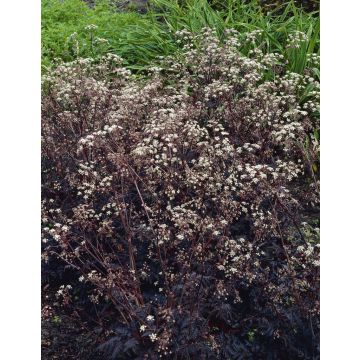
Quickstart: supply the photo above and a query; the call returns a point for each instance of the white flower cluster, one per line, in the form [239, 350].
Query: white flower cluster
[91, 27]
[296, 39]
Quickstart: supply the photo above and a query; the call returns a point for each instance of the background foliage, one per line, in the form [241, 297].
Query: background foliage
[140, 38]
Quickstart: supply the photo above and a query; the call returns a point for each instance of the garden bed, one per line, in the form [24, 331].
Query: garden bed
[180, 186]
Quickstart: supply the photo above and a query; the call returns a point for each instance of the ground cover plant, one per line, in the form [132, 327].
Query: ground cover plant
[180, 206]
[71, 29]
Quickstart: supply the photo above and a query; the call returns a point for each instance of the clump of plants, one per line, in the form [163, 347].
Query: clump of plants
[71, 29]
[182, 207]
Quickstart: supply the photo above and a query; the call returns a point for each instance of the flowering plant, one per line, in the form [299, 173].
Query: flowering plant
[186, 202]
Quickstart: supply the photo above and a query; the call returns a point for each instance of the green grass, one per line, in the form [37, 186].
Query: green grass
[135, 37]
[140, 38]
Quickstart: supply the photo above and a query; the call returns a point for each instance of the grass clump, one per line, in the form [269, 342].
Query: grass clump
[140, 38]
[71, 29]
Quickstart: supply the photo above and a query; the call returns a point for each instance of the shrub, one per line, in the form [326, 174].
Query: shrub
[186, 202]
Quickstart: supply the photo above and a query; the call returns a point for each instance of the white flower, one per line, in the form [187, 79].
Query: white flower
[150, 318]
[91, 27]
[142, 328]
[153, 337]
